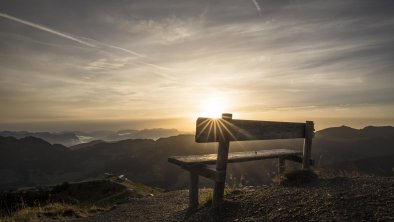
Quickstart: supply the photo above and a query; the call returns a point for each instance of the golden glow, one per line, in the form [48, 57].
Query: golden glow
[213, 108]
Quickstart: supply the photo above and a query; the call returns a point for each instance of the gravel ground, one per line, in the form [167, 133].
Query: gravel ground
[337, 199]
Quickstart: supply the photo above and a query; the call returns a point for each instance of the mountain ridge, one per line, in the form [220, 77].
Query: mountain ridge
[349, 132]
[71, 138]
[33, 162]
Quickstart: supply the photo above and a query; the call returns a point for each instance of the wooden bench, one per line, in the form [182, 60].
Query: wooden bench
[227, 129]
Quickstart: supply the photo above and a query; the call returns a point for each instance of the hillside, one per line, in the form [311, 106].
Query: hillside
[70, 200]
[335, 199]
[64, 138]
[344, 146]
[345, 132]
[79, 137]
[35, 162]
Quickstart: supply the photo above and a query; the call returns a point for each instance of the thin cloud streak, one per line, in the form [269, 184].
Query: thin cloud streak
[69, 37]
[78, 40]
[257, 6]
[43, 28]
[154, 66]
[114, 47]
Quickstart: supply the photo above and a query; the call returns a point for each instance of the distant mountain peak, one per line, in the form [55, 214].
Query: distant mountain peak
[378, 127]
[77, 137]
[342, 132]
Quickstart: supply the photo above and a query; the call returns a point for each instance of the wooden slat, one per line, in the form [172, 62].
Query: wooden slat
[195, 160]
[214, 130]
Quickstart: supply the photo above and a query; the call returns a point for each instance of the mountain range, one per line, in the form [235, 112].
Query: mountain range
[32, 161]
[77, 137]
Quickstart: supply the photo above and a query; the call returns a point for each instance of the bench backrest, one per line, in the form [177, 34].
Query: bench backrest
[228, 129]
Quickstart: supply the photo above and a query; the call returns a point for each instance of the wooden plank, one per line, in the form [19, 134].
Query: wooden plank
[214, 130]
[307, 149]
[193, 190]
[195, 160]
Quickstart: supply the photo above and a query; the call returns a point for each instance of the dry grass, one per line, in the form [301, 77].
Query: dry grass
[331, 173]
[296, 177]
[206, 195]
[54, 211]
[75, 200]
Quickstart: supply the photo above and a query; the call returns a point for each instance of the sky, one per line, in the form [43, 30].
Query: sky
[72, 65]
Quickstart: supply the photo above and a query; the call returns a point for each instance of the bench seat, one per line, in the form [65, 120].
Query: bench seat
[195, 160]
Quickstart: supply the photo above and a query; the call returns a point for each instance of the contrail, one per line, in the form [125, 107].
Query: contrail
[122, 49]
[257, 6]
[43, 28]
[46, 29]
[112, 46]
[154, 65]
[79, 39]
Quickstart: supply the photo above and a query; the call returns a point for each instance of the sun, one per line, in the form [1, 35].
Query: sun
[213, 108]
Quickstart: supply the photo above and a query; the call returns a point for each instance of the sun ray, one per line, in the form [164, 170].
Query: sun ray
[203, 122]
[222, 123]
[207, 123]
[222, 135]
[210, 128]
[214, 129]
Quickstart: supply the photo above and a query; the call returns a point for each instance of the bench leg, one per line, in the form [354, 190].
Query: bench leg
[193, 190]
[306, 157]
[281, 166]
[218, 193]
[221, 166]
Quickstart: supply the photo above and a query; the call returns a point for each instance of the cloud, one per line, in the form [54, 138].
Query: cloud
[66, 36]
[43, 28]
[257, 6]
[108, 64]
[91, 43]
[167, 30]
[301, 56]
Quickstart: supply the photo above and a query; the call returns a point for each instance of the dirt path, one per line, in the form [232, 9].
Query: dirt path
[338, 199]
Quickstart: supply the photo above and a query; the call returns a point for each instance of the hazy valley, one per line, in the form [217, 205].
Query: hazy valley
[73, 138]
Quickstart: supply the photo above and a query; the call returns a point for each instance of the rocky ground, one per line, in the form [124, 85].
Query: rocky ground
[336, 199]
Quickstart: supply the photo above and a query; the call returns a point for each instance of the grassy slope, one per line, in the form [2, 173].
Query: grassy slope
[73, 200]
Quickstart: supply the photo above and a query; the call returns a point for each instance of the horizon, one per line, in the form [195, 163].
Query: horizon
[144, 64]
[92, 126]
